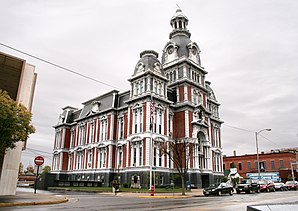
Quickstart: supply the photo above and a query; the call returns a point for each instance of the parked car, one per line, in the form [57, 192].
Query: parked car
[218, 190]
[266, 186]
[280, 186]
[248, 186]
[292, 185]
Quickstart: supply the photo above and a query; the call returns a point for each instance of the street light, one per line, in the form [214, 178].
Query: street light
[257, 144]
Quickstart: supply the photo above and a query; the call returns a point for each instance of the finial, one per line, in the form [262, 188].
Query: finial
[179, 9]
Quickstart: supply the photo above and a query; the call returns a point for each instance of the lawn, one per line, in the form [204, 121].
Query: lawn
[109, 189]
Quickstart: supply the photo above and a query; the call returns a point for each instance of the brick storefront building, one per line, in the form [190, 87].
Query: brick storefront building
[111, 134]
[274, 161]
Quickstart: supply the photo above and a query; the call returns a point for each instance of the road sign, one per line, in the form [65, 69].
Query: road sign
[39, 160]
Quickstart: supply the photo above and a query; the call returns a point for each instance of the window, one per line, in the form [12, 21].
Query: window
[160, 158]
[90, 158]
[104, 129]
[120, 159]
[256, 165]
[272, 165]
[134, 155]
[70, 162]
[160, 122]
[82, 135]
[281, 164]
[240, 166]
[154, 156]
[263, 165]
[121, 128]
[72, 139]
[141, 86]
[58, 137]
[140, 120]
[91, 135]
[161, 179]
[102, 158]
[248, 166]
[140, 156]
[136, 119]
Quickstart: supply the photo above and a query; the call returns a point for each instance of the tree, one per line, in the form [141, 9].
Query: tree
[21, 168]
[46, 169]
[29, 170]
[15, 123]
[178, 151]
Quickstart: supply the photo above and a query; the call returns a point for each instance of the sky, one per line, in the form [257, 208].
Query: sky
[249, 49]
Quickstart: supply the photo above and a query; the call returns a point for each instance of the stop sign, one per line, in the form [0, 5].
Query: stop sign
[39, 160]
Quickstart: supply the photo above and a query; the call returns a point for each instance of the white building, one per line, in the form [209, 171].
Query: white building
[18, 78]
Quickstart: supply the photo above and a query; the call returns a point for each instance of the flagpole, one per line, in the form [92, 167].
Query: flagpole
[150, 154]
[151, 140]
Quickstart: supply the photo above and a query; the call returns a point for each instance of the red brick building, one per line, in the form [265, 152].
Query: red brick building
[274, 161]
[111, 134]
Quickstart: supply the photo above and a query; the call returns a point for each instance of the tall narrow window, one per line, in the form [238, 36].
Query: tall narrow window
[91, 135]
[160, 123]
[141, 87]
[248, 166]
[155, 119]
[160, 158]
[140, 120]
[121, 128]
[154, 156]
[272, 165]
[136, 121]
[140, 156]
[240, 166]
[134, 155]
[70, 162]
[120, 159]
[281, 164]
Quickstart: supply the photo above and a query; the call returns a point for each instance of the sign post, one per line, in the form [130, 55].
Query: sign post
[39, 160]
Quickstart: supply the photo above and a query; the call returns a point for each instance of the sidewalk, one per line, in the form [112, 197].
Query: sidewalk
[193, 193]
[29, 199]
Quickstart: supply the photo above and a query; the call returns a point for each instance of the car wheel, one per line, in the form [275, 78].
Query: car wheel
[273, 189]
[219, 193]
[231, 192]
[258, 190]
[238, 192]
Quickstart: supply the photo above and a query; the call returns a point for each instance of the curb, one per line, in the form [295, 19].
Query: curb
[164, 197]
[13, 204]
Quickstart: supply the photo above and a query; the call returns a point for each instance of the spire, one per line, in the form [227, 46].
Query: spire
[179, 24]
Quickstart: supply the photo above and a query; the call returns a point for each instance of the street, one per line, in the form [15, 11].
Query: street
[92, 201]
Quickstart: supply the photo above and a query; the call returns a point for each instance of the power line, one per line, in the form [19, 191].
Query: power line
[39, 151]
[238, 128]
[61, 67]
[270, 140]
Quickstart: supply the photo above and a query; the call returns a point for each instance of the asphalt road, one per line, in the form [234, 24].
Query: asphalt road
[88, 202]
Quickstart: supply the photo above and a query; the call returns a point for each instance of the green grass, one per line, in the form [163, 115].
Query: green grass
[109, 189]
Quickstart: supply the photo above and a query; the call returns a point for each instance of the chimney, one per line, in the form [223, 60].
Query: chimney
[234, 152]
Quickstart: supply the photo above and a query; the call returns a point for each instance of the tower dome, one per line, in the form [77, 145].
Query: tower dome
[148, 62]
[180, 44]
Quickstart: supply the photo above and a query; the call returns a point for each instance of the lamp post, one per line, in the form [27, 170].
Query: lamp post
[257, 145]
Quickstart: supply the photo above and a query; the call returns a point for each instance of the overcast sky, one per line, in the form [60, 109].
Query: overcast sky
[249, 49]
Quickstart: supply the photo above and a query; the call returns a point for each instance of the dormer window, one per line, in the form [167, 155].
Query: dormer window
[95, 106]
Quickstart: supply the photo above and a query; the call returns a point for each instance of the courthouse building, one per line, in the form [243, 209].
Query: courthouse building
[110, 135]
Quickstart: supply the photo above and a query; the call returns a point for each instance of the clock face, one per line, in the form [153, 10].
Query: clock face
[170, 50]
[194, 51]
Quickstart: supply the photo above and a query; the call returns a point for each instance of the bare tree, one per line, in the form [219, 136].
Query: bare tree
[178, 151]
